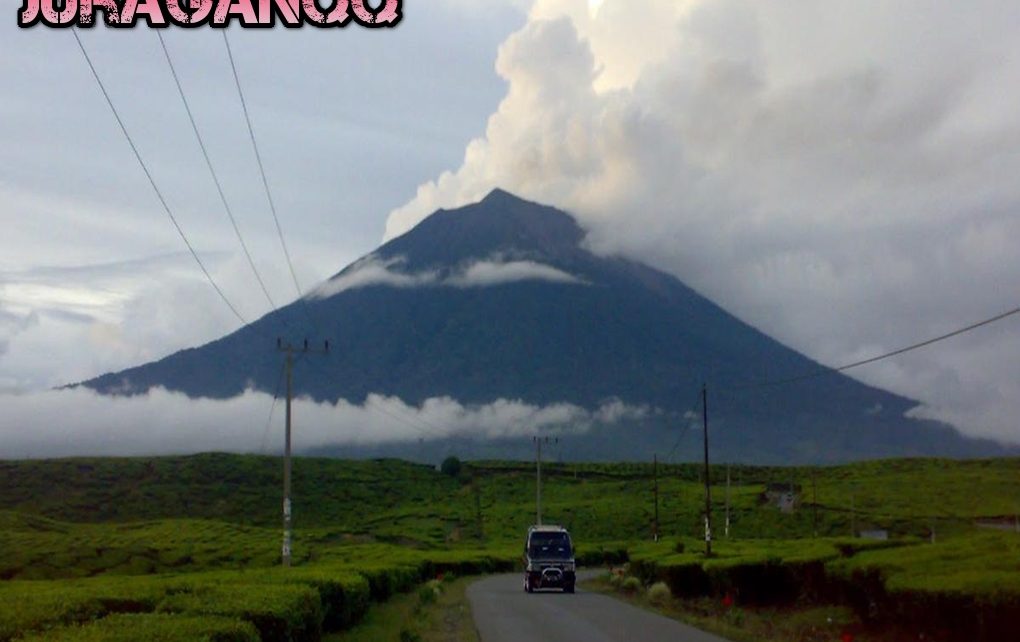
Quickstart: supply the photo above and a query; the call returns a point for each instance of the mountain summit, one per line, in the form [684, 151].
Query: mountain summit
[501, 300]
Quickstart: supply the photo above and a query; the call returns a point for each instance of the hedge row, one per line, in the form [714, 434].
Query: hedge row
[295, 604]
[153, 628]
[280, 613]
[965, 587]
[860, 581]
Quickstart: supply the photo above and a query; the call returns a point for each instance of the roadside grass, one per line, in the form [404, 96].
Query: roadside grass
[414, 617]
[742, 624]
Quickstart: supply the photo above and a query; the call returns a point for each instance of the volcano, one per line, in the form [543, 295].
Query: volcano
[502, 300]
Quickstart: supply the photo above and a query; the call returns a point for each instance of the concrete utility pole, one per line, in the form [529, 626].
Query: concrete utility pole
[538, 475]
[708, 481]
[289, 352]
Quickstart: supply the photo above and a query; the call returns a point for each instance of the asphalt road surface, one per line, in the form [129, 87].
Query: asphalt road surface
[503, 612]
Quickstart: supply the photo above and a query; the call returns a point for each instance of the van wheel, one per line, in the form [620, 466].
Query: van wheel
[569, 588]
[527, 585]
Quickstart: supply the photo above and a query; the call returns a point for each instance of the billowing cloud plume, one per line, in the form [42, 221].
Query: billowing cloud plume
[80, 422]
[844, 179]
[373, 270]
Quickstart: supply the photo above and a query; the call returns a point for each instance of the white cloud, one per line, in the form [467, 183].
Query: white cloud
[80, 422]
[841, 176]
[486, 273]
[375, 271]
[95, 318]
[372, 270]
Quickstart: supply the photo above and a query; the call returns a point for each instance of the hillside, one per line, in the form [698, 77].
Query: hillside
[394, 500]
[85, 542]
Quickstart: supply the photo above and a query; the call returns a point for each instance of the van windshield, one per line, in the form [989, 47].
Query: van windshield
[549, 546]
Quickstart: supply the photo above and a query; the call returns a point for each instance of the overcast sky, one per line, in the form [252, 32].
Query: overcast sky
[841, 175]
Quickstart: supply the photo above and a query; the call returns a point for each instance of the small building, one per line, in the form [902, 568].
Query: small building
[784, 496]
[879, 534]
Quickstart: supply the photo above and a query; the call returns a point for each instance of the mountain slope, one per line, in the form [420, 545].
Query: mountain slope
[501, 300]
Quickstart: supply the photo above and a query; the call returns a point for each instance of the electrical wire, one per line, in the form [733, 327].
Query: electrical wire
[272, 409]
[261, 166]
[173, 219]
[212, 170]
[887, 355]
[685, 429]
[152, 181]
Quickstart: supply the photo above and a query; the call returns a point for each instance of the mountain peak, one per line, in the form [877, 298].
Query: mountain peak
[499, 224]
[499, 195]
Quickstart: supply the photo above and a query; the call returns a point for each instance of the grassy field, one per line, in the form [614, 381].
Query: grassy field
[94, 547]
[437, 611]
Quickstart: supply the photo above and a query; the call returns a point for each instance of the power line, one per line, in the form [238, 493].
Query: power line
[413, 421]
[272, 408]
[173, 219]
[685, 429]
[262, 169]
[212, 171]
[152, 181]
[887, 355]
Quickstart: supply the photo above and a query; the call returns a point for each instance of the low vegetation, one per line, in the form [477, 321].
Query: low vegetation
[188, 547]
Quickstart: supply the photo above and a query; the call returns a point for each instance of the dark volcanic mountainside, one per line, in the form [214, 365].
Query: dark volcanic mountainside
[500, 300]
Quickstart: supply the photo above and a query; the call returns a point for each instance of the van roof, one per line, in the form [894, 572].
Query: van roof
[547, 528]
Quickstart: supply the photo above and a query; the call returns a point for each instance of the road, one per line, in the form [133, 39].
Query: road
[503, 612]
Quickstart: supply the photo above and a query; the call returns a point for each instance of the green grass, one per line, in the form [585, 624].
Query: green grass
[420, 615]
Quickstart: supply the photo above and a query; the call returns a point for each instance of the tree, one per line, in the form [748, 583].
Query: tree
[450, 466]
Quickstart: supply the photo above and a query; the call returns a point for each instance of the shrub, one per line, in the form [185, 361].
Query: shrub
[659, 594]
[161, 628]
[384, 581]
[344, 594]
[409, 635]
[429, 592]
[28, 606]
[287, 613]
[632, 585]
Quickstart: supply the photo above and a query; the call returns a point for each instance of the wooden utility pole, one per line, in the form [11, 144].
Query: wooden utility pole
[478, 505]
[708, 481]
[727, 501]
[814, 500]
[289, 352]
[538, 475]
[655, 490]
[853, 511]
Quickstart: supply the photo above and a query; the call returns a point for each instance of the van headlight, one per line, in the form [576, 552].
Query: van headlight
[569, 566]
